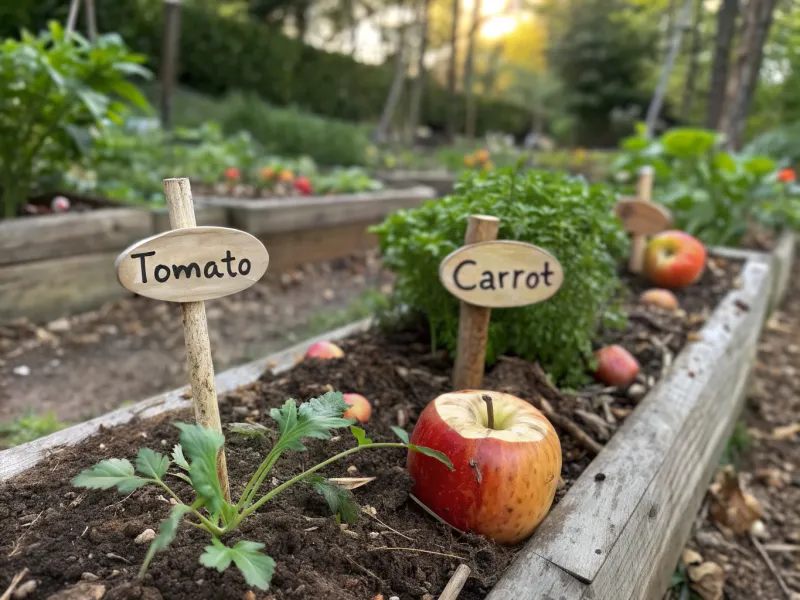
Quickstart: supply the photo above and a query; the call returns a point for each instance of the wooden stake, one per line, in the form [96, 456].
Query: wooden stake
[473, 325]
[456, 583]
[195, 330]
[74, 9]
[644, 193]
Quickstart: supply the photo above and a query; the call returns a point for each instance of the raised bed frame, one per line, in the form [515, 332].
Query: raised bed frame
[612, 537]
[441, 181]
[57, 265]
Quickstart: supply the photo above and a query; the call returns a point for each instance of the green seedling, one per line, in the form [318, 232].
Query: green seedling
[195, 459]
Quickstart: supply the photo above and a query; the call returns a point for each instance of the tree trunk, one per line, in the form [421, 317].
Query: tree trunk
[661, 89]
[758, 19]
[418, 87]
[451, 70]
[691, 73]
[726, 29]
[469, 125]
[670, 26]
[393, 99]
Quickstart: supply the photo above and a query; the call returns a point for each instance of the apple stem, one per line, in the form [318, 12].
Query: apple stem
[489, 410]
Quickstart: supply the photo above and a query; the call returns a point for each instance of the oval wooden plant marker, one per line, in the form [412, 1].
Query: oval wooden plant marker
[501, 274]
[642, 218]
[192, 264]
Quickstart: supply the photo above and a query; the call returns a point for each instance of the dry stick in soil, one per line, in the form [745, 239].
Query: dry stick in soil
[473, 321]
[14, 583]
[195, 328]
[771, 566]
[456, 583]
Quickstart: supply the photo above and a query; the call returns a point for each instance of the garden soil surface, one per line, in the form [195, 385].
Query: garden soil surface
[134, 348]
[68, 537]
[769, 469]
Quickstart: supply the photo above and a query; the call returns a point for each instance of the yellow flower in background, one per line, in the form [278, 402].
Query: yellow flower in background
[469, 161]
[488, 165]
[482, 156]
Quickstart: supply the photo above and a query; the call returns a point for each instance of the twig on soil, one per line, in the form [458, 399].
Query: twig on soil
[569, 426]
[651, 320]
[456, 583]
[18, 543]
[666, 355]
[362, 567]
[433, 514]
[771, 566]
[417, 550]
[782, 547]
[387, 527]
[14, 583]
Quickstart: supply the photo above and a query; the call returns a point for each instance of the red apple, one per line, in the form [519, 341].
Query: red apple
[507, 465]
[615, 366]
[674, 259]
[324, 350]
[659, 297]
[60, 204]
[360, 408]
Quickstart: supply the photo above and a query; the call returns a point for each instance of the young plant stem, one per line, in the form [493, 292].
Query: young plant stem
[206, 524]
[489, 410]
[305, 474]
[251, 489]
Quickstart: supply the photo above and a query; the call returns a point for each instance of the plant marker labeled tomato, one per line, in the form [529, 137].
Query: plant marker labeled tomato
[486, 274]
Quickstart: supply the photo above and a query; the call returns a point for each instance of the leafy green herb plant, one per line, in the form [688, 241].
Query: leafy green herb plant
[563, 215]
[195, 460]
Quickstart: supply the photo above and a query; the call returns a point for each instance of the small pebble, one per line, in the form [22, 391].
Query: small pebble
[394, 597]
[102, 446]
[249, 595]
[600, 477]
[163, 442]
[147, 536]
[24, 590]
[352, 469]
[173, 501]
[374, 534]
[89, 576]
[636, 391]
[22, 370]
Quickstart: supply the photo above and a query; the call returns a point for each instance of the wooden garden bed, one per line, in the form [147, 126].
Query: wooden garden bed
[441, 181]
[620, 527]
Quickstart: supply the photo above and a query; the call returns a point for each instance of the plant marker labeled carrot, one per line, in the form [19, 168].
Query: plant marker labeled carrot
[191, 264]
[641, 217]
[485, 274]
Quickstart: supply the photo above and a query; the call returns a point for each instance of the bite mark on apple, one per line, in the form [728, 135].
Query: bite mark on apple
[474, 465]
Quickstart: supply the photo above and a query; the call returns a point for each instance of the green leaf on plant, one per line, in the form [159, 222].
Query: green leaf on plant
[202, 446]
[112, 472]
[256, 566]
[360, 435]
[401, 433]
[440, 456]
[178, 458]
[151, 463]
[166, 533]
[314, 418]
[340, 500]
[248, 429]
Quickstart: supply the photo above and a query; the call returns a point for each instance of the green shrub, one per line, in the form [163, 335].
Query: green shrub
[712, 194]
[564, 216]
[781, 144]
[221, 54]
[52, 89]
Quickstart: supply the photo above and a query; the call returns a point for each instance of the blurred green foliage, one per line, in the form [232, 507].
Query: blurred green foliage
[28, 427]
[563, 215]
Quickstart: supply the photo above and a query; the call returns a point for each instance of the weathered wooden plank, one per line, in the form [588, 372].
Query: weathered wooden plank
[586, 525]
[71, 234]
[531, 577]
[441, 181]
[204, 215]
[21, 458]
[783, 257]
[47, 289]
[261, 217]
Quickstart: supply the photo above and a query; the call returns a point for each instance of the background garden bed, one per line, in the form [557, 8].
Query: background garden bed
[708, 375]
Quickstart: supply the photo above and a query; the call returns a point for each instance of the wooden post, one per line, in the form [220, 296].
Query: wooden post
[169, 58]
[91, 20]
[72, 17]
[644, 193]
[195, 330]
[473, 325]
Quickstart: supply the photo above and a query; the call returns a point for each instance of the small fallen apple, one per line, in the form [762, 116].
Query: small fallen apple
[60, 204]
[507, 460]
[324, 350]
[674, 259]
[360, 408]
[659, 297]
[616, 366]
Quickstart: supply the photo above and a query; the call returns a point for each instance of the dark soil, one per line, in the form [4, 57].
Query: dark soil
[61, 533]
[768, 463]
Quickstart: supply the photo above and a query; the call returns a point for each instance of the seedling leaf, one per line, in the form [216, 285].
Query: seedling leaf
[166, 533]
[256, 567]
[314, 418]
[401, 433]
[178, 458]
[112, 472]
[339, 500]
[202, 445]
[151, 463]
[360, 435]
[251, 430]
[440, 456]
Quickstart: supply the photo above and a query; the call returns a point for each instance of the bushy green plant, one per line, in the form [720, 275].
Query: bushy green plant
[28, 427]
[565, 216]
[712, 194]
[195, 462]
[52, 88]
[781, 144]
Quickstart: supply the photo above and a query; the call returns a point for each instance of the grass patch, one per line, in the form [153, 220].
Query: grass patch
[737, 446]
[367, 304]
[28, 427]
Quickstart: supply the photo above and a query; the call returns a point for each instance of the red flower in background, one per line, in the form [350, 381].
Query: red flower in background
[787, 176]
[303, 185]
[232, 174]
